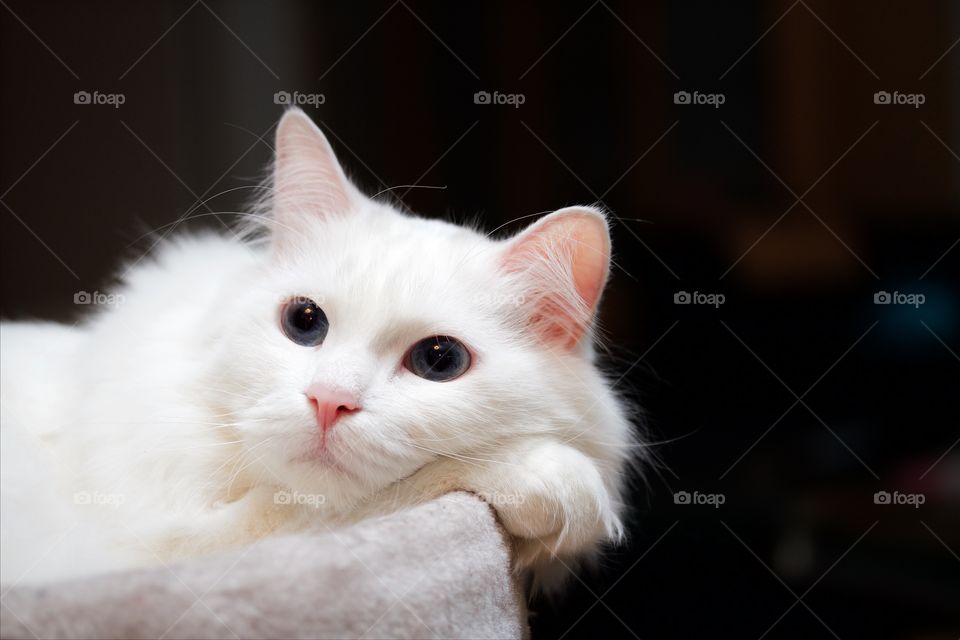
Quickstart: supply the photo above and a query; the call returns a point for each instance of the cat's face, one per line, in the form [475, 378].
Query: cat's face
[372, 342]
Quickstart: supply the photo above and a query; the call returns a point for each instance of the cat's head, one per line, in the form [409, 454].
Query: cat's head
[373, 342]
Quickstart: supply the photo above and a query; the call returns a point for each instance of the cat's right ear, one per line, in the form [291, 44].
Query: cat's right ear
[561, 264]
[308, 181]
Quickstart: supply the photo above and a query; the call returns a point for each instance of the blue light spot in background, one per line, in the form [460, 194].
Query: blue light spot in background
[910, 306]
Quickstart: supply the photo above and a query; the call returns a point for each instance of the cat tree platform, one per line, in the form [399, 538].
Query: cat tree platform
[438, 570]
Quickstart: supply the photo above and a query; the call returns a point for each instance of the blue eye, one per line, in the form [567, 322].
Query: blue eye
[304, 322]
[438, 359]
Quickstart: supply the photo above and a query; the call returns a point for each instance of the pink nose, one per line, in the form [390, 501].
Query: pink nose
[330, 403]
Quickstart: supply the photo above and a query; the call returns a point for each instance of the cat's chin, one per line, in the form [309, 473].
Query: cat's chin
[328, 481]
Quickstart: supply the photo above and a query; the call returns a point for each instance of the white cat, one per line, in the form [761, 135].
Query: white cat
[348, 360]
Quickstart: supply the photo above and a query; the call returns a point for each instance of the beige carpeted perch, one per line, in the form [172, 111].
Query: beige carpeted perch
[436, 570]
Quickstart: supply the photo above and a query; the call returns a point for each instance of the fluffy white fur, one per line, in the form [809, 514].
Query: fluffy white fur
[171, 425]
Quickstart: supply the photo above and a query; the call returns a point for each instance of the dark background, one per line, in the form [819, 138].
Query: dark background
[796, 400]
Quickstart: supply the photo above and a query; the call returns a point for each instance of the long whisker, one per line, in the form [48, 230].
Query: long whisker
[462, 457]
[236, 474]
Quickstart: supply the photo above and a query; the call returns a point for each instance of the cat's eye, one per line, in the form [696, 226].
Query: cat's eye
[304, 322]
[438, 359]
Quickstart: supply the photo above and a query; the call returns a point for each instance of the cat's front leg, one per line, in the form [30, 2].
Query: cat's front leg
[551, 497]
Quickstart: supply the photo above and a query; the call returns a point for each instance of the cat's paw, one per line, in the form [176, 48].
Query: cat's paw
[553, 500]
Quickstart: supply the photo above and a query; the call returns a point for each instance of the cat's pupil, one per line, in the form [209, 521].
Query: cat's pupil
[439, 358]
[304, 322]
[306, 317]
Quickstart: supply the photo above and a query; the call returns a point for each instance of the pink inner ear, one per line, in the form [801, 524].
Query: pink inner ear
[564, 262]
[307, 176]
[591, 259]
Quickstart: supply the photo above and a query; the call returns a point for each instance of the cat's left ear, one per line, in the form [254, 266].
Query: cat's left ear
[308, 181]
[561, 263]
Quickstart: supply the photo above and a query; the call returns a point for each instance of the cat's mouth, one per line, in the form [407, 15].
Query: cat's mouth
[320, 455]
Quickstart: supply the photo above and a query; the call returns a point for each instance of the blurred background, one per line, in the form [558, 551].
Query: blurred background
[785, 182]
